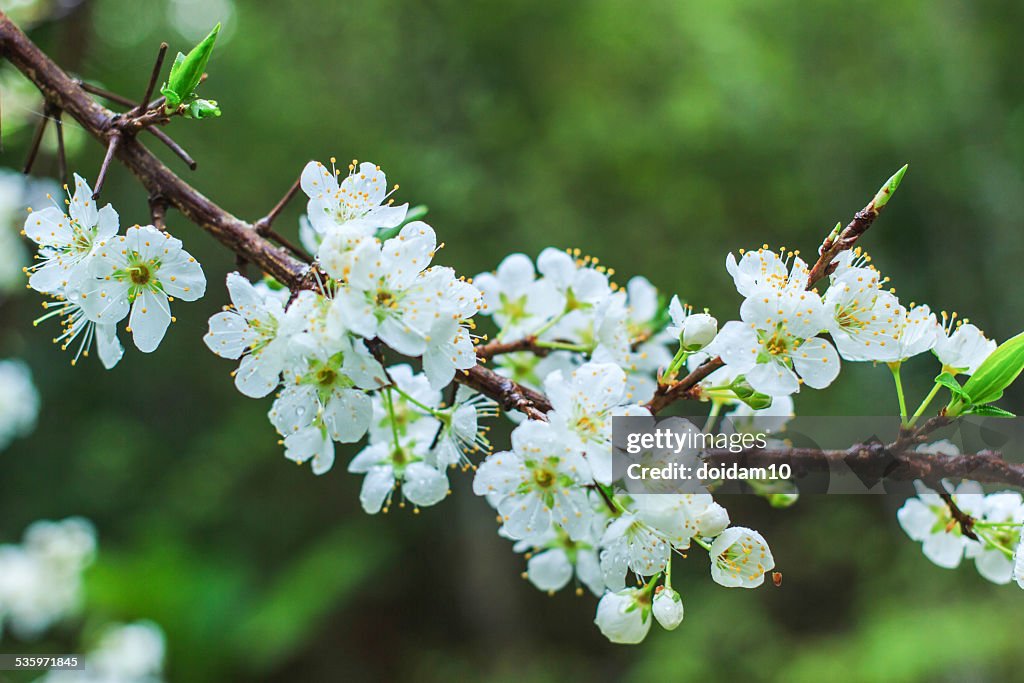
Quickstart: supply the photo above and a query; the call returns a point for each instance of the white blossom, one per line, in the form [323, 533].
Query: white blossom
[777, 341]
[67, 241]
[668, 608]
[40, 580]
[519, 302]
[927, 518]
[583, 405]
[693, 330]
[962, 347]
[740, 558]
[863, 319]
[537, 483]
[361, 198]
[761, 269]
[138, 272]
[624, 616]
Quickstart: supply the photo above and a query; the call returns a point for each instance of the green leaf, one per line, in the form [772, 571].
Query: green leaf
[997, 372]
[202, 109]
[885, 194]
[949, 381]
[188, 69]
[988, 411]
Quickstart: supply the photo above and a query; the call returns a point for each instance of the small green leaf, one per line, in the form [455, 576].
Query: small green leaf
[949, 381]
[202, 109]
[997, 372]
[188, 69]
[988, 411]
[885, 194]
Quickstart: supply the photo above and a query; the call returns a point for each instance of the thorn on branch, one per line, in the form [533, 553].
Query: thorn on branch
[153, 76]
[263, 225]
[62, 159]
[112, 144]
[173, 146]
[105, 94]
[37, 139]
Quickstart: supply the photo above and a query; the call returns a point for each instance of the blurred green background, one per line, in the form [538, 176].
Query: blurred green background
[657, 136]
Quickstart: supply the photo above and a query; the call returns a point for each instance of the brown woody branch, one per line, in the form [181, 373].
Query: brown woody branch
[62, 93]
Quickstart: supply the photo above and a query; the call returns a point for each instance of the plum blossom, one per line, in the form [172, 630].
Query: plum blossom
[962, 347]
[359, 200]
[668, 608]
[67, 241]
[138, 272]
[757, 270]
[624, 616]
[927, 518]
[740, 558]
[862, 318]
[583, 405]
[537, 483]
[251, 329]
[518, 302]
[776, 346]
[693, 330]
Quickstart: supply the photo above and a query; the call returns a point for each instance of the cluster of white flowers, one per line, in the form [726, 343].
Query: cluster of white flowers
[562, 326]
[998, 519]
[19, 401]
[97, 278]
[125, 653]
[41, 579]
[318, 345]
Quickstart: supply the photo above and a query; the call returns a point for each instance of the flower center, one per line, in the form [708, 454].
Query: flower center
[544, 478]
[385, 298]
[776, 345]
[326, 376]
[139, 274]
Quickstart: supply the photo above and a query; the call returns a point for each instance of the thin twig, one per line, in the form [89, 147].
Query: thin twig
[965, 521]
[173, 146]
[113, 142]
[287, 244]
[62, 159]
[106, 94]
[155, 74]
[666, 394]
[37, 139]
[263, 225]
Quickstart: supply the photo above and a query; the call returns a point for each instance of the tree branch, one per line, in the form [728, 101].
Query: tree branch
[62, 93]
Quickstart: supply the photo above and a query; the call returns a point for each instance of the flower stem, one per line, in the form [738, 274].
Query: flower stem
[924, 404]
[895, 368]
[677, 362]
[716, 408]
[702, 543]
[432, 411]
[563, 346]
